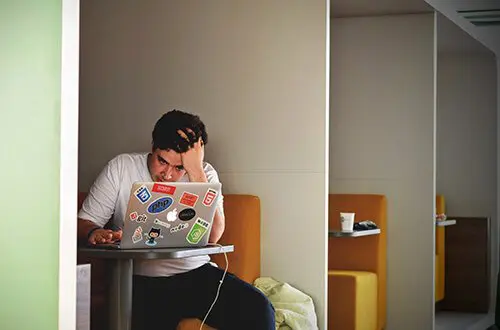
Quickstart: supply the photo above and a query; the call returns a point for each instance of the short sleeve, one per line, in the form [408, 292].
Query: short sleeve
[212, 176]
[100, 203]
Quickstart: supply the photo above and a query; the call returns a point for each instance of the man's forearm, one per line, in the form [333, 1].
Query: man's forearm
[84, 227]
[218, 226]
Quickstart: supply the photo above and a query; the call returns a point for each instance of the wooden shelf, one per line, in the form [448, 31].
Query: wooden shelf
[446, 223]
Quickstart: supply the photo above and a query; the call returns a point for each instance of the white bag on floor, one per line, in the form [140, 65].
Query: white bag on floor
[294, 309]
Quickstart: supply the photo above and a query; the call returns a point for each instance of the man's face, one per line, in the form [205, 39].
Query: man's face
[166, 166]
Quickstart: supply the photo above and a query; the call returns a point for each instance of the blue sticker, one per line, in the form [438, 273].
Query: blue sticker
[160, 205]
[142, 194]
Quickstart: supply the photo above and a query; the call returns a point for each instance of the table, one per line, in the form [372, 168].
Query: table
[356, 233]
[446, 223]
[122, 272]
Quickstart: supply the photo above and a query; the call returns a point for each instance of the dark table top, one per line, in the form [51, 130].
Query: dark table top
[161, 253]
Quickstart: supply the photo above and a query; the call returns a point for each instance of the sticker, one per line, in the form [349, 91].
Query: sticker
[142, 194]
[179, 227]
[187, 214]
[197, 232]
[163, 189]
[172, 215]
[137, 237]
[142, 218]
[161, 223]
[209, 197]
[188, 199]
[160, 205]
[133, 216]
[154, 233]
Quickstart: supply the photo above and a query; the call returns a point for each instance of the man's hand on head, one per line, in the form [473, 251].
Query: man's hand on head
[105, 236]
[192, 159]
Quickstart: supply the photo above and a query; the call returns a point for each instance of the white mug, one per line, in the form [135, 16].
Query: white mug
[347, 221]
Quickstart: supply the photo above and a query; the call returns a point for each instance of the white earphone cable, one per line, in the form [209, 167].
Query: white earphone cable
[218, 289]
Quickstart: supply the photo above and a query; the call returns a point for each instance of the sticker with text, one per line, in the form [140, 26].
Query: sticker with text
[137, 236]
[209, 197]
[153, 235]
[142, 194]
[172, 215]
[163, 189]
[160, 205]
[161, 223]
[133, 216]
[198, 230]
[187, 214]
[188, 199]
[142, 218]
[179, 227]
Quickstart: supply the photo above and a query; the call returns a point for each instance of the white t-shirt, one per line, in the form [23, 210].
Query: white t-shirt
[108, 199]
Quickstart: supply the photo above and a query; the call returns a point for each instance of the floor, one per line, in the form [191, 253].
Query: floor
[457, 321]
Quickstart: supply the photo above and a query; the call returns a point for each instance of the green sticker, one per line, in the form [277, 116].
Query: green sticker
[198, 230]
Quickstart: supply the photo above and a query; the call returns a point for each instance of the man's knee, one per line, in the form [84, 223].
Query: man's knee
[263, 310]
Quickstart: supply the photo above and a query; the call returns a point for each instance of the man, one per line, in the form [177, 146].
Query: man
[167, 291]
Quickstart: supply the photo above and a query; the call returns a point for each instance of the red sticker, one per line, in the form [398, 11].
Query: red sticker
[209, 197]
[133, 216]
[188, 199]
[163, 189]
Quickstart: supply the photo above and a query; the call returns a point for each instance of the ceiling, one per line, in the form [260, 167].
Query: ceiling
[467, 14]
[453, 39]
[452, 35]
[356, 8]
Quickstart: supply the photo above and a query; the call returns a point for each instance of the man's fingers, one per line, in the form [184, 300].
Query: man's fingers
[117, 235]
[182, 134]
[188, 135]
[183, 143]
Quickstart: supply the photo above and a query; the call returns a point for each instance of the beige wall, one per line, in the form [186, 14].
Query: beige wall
[466, 139]
[256, 72]
[382, 141]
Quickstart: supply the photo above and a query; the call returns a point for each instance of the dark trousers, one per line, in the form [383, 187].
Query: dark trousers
[161, 302]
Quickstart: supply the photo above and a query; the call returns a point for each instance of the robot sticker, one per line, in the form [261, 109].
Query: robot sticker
[142, 194]
[153, 235]
[137, 236]
[197, 232]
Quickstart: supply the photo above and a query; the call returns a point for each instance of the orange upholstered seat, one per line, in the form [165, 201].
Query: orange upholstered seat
[351, 260]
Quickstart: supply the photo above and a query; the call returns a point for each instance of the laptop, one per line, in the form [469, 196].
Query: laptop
[168, 214]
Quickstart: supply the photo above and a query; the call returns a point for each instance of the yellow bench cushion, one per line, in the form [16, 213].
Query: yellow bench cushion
[352, 300]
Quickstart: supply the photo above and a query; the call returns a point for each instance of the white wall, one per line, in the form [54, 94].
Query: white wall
[467, 140]
[382, 141]
[256, 72]
[466, 134]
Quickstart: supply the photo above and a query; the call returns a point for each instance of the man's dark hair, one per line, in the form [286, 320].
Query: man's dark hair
[165, 134]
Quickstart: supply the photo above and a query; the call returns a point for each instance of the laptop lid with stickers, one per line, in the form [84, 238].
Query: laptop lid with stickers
[173, 214]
